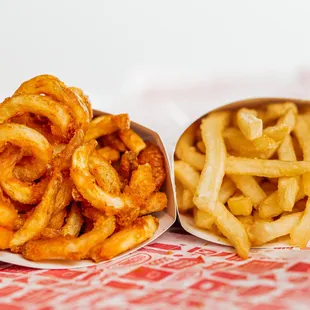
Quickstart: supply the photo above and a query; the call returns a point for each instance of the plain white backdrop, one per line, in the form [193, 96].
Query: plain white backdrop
[126, 53]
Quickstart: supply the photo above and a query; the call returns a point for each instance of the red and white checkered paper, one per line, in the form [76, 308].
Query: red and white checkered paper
[177, 271]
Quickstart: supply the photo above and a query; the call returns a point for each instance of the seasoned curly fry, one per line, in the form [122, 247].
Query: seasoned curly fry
[63, 159]
[24, 192]
[109, 153]
[153, 156]
[156, 202]
[127, 238]
[54, 88]
[74, 222]
[105, 175]
[40, 105]
[41, 216]
[60, 196]
[114, 142]
[8, 213]
[5, 238]
[30, 139]
[81, 177]
[58, 219]
[128, 164]
[70, 247]
[106, 124]
[132, 140]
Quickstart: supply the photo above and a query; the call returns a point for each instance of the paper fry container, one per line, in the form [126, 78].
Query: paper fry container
[187, 221]
[166, 217]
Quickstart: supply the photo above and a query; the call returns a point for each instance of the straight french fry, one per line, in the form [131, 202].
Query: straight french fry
[288, 187]
[211, 178]
[276, 110]
[262, 232]
[265, 168]
[187, 175]
[186, 151]
[249, 187]
[249, 124]
[302, 132]
[240, 205]
[232, 229]
[228, 188]
[300, 234]
[203, 219]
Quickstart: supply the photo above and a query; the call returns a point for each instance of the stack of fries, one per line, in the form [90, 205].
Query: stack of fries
[73, 186]
[245, 174]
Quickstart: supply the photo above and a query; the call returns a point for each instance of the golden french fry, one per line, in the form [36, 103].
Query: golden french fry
[297, 148]
[179, 192]
[187, 200]
[265, 168]
[249, 187]
[300, 235]
[269, 187]
[288, 187]
[232, 229]
[228, 188]
[238, 145]
[240, 205]
[106, 124]
[185, 150]
[276, 110]
[212, 175]
[203, 219]
[127, 238]
[270, 207]
[266, 145]
[187, 175]
[302, 132]
[132, 140]
[201, 147]
[287, 191]
[249, 124]
[262, 232]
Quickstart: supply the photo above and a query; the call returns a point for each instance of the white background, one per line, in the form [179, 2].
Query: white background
[166, 55]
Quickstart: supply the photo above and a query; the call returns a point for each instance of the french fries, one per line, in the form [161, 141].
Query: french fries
[207, 191]
[249, 124]
[255, 193]
[265, 168]
[69, 181]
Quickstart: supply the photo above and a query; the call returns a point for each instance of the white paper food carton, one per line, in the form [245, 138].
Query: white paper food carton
[187, 221]
[166, 217]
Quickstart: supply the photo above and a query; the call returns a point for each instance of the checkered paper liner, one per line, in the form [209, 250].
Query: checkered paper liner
[176, 270]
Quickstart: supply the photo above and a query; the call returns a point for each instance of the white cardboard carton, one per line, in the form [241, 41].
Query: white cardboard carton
[187, 221]
[166, 217]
